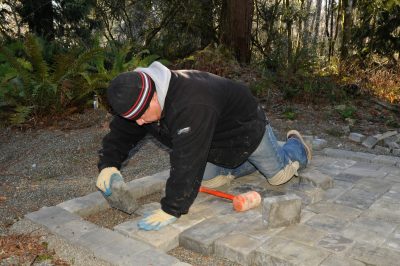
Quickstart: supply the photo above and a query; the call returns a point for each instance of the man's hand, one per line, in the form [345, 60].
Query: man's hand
[105, 179]
[156, 220]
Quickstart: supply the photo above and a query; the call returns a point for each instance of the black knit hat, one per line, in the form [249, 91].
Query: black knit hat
[130, 93]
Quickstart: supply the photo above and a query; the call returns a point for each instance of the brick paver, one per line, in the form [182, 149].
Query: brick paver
[349, 215]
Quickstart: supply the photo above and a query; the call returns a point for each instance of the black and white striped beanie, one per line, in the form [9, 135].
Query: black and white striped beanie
[130, 93]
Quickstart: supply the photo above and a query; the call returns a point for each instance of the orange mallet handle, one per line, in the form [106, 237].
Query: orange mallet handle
[217, 193]
[242, 202]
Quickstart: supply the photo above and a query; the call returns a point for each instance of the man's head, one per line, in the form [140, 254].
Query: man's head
[132, 96]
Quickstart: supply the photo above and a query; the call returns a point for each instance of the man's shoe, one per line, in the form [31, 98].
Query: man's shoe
[296, 134]
[217, 181]
[285, 174]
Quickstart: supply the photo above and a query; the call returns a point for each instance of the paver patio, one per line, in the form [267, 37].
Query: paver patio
[350, 216]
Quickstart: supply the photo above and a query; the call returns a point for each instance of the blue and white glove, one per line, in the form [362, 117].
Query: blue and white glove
[105, 179]
[156, 220]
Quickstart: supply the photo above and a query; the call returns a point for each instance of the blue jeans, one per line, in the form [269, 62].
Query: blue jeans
[269, 158]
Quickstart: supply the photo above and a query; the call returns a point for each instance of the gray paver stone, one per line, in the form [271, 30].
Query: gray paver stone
[281, 210]
[156, 258]
[370, 142]
[336, 260]
[302, 233]
[278, 251]
[201, 237]
[387, 134]
[86, 205]
[308, 193]
[316, 178]
[384, 159]
[165, 239]
[336, 210]
[363, 157]
[336, 153]
[393, 145]
[369, 230]
[373, 255]
[122, 197]
[237, 248]
[381, 149]
[363, 172]
[387, 203]
[52, 217]
[147, 208]
[188, 220]
[357, 198]
[372, 185]
[349, 178]
[149, 184]
[393, 241]
[396, 152]
[73, 230]
[335, 243]
[319, 144]
[326, 223]
[357, 137]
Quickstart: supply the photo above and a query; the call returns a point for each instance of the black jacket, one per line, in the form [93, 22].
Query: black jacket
[206, 118]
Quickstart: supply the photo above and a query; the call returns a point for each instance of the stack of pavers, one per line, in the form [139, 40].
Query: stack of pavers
[388, 142]
[342, 210]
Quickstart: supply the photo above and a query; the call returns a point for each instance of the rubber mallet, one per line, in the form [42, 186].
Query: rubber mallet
[241, 202]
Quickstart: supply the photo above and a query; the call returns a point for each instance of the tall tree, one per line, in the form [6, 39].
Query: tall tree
[306, 33]
[39, 14]
[347, 21]
[289, 23]
[317, 21]
[235, 27]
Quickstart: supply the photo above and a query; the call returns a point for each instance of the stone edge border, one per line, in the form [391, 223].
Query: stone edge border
[65, 221]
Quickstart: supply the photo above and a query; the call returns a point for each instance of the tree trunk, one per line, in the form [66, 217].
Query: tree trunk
[348, 9]
[236, 22]
[289, 23]
[330, 51]
[300, 28]
[307, 31]
[39, 15]
[207, 30]
[317, 22]
[338, 18]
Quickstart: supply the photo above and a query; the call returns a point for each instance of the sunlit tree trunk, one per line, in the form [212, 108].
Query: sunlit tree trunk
[347, 20]
[307, 30]
[236, 21]
[317, 21]
[289, 23]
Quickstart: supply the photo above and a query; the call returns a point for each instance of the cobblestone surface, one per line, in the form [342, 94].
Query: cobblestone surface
[349, 216]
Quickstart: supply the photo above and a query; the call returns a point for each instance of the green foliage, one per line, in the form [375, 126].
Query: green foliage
[214, 59]
[346, 111]
[376, 31]
[32, 86]
[392, 122]
[289, 113]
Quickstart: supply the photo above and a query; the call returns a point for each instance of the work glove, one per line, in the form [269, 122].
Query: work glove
[156, 220]
[105, 179]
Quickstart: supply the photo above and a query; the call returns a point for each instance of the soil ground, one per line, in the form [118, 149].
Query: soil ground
[54, 162]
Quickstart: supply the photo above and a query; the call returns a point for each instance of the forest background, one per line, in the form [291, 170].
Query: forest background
[57, 56]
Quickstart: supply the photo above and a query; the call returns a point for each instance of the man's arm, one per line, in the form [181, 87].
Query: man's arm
[124, 135]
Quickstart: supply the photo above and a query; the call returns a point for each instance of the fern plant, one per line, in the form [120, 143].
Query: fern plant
[32, 87]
